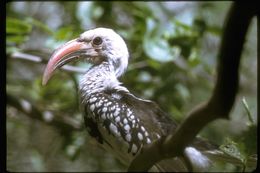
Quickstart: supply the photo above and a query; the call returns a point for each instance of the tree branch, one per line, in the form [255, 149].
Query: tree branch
[62, 122]
[37, 59]
[223, 97]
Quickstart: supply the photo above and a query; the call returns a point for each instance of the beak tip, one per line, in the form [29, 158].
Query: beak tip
[44, 82]
[46, 77]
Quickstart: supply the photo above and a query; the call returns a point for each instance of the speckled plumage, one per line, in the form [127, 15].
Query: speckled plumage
[117, 121]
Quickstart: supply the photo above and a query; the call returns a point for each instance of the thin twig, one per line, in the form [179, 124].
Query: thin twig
[247, 110]
[25, 56]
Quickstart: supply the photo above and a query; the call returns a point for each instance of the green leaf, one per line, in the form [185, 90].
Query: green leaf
[154, 45]
[40, 25]
[62, 36]
[231, 148]
[154, 64]
[199, 26]
[12, 49]
[66, 33]
[214, 30]
[194, 59]
[17, 26]
[176, 113]
[97, 12]
[63, 33]
[249, 139]
[17, 39]
[182, 91]
[74, 146]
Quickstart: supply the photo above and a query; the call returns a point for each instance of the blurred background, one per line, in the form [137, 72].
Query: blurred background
[173, 48]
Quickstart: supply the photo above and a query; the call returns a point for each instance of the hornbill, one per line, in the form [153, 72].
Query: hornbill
[118, 120]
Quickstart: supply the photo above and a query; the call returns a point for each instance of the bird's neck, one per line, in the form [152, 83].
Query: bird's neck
[98, 79]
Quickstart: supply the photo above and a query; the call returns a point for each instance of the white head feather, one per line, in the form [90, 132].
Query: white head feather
[113, 47]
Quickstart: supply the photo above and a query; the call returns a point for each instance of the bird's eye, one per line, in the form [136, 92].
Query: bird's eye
[97, 41]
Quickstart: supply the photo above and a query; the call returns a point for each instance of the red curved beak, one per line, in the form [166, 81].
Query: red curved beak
[64, 54]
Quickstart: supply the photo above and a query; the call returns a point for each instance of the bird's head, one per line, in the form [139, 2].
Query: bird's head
[96, 46]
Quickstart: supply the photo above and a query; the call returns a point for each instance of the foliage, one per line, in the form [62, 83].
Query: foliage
[172, 62]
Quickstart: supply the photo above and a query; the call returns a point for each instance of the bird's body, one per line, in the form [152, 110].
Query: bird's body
[111, 118]
[118, 120]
